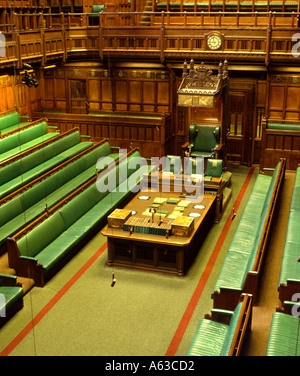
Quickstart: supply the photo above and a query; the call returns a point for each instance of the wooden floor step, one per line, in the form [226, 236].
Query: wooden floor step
[27, 284]
[4, 266]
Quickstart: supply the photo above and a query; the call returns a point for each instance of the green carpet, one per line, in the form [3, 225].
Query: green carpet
[138, 316]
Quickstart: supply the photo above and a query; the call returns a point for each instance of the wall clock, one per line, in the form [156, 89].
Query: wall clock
[214, 41]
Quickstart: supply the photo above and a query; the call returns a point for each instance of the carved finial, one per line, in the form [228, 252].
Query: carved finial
[220, 70]
[225, 69]
[185, 70]
[191, 65]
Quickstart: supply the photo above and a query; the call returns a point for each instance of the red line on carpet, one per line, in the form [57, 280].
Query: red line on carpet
[173, 347]
[14, 343]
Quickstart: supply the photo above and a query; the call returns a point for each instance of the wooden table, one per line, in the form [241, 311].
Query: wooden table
[170, 254]
[158, 182]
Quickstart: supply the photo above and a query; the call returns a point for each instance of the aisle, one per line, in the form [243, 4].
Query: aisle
[262, 314]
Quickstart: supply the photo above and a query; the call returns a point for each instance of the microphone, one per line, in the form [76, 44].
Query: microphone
[233, 214]
[113, 280]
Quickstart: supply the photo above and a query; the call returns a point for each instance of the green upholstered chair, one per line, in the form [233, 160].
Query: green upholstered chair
[173, 164]
[214, 168]
[204, 141]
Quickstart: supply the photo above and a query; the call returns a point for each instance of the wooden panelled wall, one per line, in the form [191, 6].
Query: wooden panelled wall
[13, 95]
[284, 99]
[120, 88]
[135, 99]
[150, 89]
[283, 108]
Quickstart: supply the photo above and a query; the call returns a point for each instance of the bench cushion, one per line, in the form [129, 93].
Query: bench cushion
[284, 126]
[208, 339]
[12, 294]
[24, 140]
[213, 338]
[241, 251]
[284, 339]
[37, 239]
[9, 120]
[21, 172]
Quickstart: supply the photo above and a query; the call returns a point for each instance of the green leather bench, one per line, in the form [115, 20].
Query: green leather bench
[283, 126]
[24, 140]
[228, 4]
[31, 201]
[284, 338]
[23, 170]
[217, 337]
[11, 297]
[289, 279]
[243, 249]
[47, 246]
[10, 122]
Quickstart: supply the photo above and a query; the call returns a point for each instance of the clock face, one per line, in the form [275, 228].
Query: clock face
[214, 42]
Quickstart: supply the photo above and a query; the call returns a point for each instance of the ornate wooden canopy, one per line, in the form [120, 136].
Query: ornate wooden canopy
[199, 87]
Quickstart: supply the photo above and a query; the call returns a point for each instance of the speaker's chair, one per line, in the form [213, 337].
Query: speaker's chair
[204, 141]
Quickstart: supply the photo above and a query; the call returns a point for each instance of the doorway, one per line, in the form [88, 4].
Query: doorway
[79, 103]
[239, 137]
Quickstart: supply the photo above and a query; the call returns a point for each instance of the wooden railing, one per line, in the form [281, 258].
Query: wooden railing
[259, 36]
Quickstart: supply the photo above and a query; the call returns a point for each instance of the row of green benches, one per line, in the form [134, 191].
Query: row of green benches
[50, 206]
[36, 179]
[283, 126]
[40, 249]
[284, 337]
[289, 279]
[16, 209]
[18, 142]
[26, 166]
[31, 200]
[227, 4]
[241, 273]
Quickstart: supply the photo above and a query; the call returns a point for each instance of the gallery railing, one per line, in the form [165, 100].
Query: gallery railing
[260, 36]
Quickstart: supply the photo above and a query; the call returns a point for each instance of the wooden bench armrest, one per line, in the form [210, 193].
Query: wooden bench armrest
[8, 280]
[185, 145]
[243, 326]
[219, 147]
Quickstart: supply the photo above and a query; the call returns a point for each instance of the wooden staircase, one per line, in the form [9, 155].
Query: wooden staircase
[145, 18]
